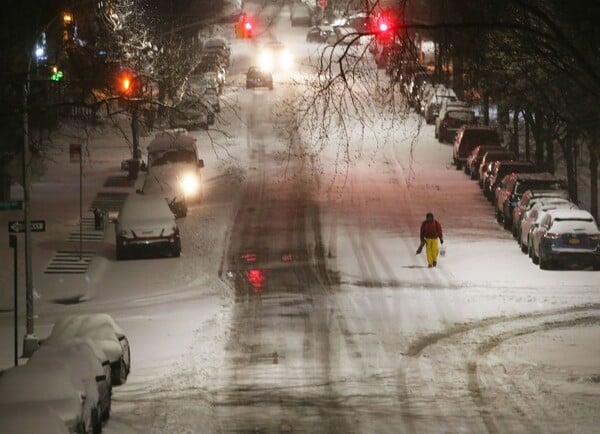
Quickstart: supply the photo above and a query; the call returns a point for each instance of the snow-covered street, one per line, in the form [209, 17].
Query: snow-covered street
[298, 303]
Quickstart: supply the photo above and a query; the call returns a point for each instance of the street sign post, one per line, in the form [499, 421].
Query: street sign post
[12, 242]
[18, 226]
[11, 205]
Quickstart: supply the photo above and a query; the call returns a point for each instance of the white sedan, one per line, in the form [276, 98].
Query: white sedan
[533, 216]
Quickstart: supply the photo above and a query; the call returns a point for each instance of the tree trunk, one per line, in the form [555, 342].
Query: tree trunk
[486, 107]
[594, 177]
[514, 143]
[567, 148]
[537, 126]
[527, 133]
[135, 132]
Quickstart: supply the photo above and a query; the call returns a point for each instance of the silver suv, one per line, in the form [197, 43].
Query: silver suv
[145, 223]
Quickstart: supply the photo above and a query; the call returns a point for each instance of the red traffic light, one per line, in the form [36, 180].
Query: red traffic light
[125, 83]
[248, 26]
[383, 27]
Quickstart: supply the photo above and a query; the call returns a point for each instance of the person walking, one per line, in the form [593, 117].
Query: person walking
[431, 231]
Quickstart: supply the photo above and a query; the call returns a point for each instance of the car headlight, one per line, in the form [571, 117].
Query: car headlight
[190, 184]
[266, 60]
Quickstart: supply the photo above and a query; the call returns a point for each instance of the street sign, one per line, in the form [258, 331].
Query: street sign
[11, 205]
[18, 226]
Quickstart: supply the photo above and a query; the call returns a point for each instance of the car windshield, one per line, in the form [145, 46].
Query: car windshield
[171, 156]
[480, 136]
[539, 184]
[461, 115]
[574, 225]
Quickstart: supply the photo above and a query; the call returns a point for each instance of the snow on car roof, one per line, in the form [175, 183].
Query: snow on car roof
[79, 326]
[573, 214]
[168, 141]
[27, 418]
[143, 208]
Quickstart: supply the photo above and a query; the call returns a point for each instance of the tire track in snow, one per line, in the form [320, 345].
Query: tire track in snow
[455, 358]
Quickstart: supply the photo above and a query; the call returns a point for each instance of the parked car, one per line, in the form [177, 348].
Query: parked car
[84, 368]
[487, 164]
[474, 159]
[432, 100]
[28, 418]
[500, 169]
[191, 112]
[51, 386]
[533, 216]
[217, 43]
[256, 77]
[300, 14]
[146, 223]
[529, 198]
[174, 170]
[566, 236]
[450, 119]
[512, 187]
[102, 329]
[468, 137]
[319, 34]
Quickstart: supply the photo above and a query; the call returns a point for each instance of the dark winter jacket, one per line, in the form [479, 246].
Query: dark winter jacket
[431, 229]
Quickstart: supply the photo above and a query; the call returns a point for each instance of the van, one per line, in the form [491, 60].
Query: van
[173, 170]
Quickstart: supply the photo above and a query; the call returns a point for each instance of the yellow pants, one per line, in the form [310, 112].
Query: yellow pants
[432, 250]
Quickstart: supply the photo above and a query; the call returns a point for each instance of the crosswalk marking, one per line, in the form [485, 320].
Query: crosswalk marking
[70, 262]
[89, 232]
[109, 200]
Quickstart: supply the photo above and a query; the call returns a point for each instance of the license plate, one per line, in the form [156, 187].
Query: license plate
[574, 241]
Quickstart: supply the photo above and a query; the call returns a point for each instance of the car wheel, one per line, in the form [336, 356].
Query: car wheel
[498, 216]
[505, 223]
[106, 411]
[544, 264]
[176, 250]
[473, 175]
[119, 375]
[534, 258]
[96, 421]
[523, 246]
[120, 253]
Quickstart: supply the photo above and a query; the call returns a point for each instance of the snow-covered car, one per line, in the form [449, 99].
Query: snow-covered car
[528, 200]
[191, 112]
[81, 359]
[474, 160]
[487, 163]
[257, 77]
[173, 170]
[499, 170]
[146, 223]
[515, 185]
[468, 137]
[566, 236]
[50, 385]
[217, 43]
[432, 100]
[28, 418]
[274, 56]
[300, 14]
[102, 329]
[452, 116]
[344, 35]
[318, 34]
[533, 216]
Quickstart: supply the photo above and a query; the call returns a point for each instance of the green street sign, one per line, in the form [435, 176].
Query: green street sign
[11, 205]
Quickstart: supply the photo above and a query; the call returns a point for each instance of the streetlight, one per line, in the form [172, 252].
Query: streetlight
[30, 341]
